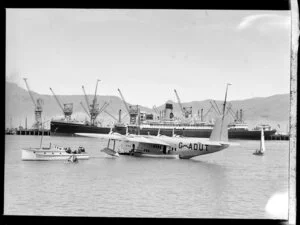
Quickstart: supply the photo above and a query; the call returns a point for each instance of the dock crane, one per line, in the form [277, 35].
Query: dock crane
[86, 98]
[67, 109]
[112, 116]
[122, 97]
[104, 106]
[179, 102]
[93, 108]
[38, 109]
[86, 111]
[133, 111]
[95, 111]
[121, 118]
[184, 110]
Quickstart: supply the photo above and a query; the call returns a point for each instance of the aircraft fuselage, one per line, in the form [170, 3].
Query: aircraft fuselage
[185, 149]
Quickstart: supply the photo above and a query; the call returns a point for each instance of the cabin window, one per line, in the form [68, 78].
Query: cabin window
[44, 152]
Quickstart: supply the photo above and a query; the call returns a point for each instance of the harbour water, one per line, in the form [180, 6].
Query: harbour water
[232, 183]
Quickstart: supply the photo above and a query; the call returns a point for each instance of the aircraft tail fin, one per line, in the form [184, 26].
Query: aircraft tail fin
[220, 130]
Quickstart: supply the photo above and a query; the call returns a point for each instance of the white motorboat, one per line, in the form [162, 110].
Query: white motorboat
[53, 153]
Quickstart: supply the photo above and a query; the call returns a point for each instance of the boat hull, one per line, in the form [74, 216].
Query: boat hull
[37, 154]
[258, 153]
[69, 129]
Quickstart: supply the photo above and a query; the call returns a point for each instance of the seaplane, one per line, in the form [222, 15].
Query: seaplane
[165, 146]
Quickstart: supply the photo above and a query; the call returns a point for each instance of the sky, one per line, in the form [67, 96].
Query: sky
[149, 53]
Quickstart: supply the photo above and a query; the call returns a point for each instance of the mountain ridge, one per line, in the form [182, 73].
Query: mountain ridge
[18, 105]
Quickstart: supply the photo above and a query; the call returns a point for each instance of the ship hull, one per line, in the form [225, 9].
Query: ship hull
[249, 134]
[69, 129]
[58, 128]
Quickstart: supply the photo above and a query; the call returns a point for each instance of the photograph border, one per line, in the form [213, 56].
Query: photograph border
[292, 183]
[293, 111]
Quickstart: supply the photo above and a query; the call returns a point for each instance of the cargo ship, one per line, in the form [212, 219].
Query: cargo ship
[165, 126]
[195, 128]
[168, 128]
[68, 127]
[164, 123]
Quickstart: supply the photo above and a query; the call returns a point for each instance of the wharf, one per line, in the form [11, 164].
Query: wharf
[279, 137]
[33, 132]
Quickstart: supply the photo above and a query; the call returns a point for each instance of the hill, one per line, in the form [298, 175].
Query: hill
[18, 105]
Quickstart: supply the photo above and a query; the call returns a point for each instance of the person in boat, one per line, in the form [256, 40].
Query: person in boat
[81, 149]
[68, 150]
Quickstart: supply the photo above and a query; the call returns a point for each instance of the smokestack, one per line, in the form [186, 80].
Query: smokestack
[241, 115]
[237, 115]
[26, 123]
[202, 115]
[120, 111]
[139, 121]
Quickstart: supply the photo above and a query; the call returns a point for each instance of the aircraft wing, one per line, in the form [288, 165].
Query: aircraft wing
[148, 140]
[140, 139]
[230, 143]
[157, 140]
[121, 137]
[218, 143]
[104, 136]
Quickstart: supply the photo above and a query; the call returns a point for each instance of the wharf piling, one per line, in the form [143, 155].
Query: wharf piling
[33, 132]
[279, 137]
